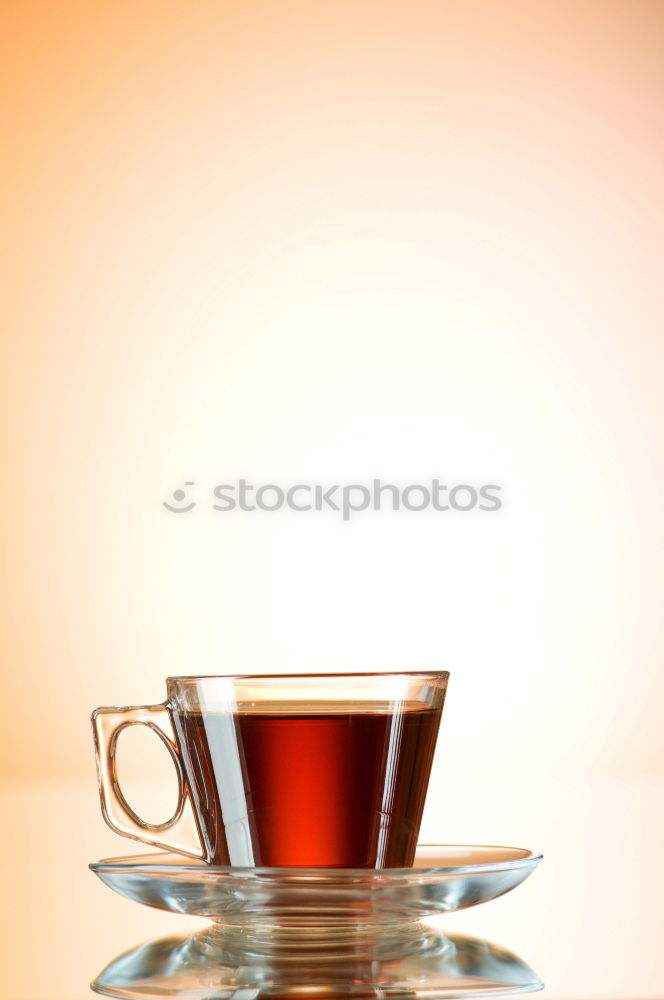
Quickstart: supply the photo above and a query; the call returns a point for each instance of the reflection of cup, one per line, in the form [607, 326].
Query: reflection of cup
[213, 962]
[305, 770]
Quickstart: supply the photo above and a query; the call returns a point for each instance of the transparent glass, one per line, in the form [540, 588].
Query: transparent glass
[275, 900]
[316, 770]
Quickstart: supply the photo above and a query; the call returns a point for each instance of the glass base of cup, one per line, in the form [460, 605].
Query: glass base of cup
[288, 943]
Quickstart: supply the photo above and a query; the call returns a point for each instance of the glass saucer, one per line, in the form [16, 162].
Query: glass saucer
[444, 878]
[213, 965]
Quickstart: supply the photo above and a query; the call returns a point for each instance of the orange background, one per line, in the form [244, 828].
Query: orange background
[325, 242]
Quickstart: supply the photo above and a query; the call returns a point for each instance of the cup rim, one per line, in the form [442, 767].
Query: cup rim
[434, 674]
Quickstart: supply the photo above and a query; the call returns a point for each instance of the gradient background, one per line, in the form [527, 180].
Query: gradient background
[326, 242]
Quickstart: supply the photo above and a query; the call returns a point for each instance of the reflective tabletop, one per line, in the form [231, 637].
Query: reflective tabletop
[571, 925]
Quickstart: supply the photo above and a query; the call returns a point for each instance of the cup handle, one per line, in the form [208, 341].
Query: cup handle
[180, 832]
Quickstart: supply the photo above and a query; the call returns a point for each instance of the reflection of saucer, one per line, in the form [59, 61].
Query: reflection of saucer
[443, 879]
[211, 965]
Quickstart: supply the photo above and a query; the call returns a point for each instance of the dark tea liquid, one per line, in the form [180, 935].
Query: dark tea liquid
[322, 789]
